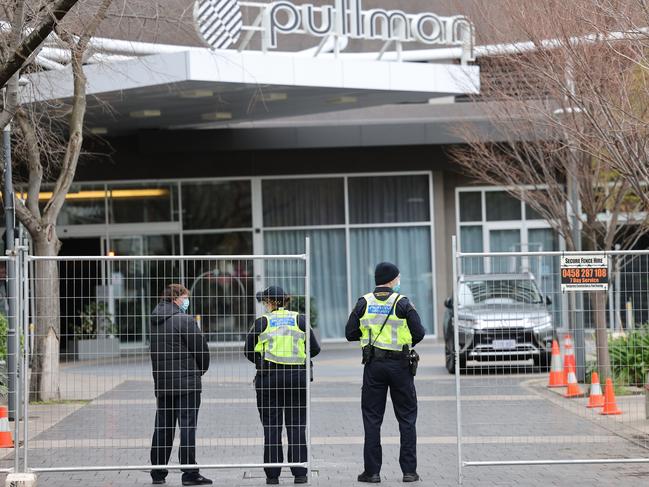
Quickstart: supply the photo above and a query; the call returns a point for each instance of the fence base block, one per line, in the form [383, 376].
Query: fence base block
[21, 480]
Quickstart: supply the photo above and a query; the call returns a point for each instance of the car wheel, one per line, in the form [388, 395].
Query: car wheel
[543, 361]
[450, 359]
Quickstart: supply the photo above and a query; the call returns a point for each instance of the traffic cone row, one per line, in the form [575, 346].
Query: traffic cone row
[565, 376]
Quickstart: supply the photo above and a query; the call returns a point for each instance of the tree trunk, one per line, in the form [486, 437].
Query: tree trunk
[45, 365]
[601, 335]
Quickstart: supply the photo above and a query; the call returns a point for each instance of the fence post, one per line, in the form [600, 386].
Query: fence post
[307, 329]
[23, 251]
[456, 347]
[14, 339]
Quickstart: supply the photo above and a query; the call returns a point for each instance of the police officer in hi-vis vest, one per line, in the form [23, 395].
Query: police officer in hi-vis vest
[276, 344]
[388, 326]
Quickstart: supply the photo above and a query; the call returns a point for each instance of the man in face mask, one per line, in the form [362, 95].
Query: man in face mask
[179, 356]
[388, 326]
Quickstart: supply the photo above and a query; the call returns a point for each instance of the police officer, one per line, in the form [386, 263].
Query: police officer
[388, 326]
[276, 344]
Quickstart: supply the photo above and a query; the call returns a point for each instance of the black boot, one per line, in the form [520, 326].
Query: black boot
[196, 480]
[371, 478]
[411, 477]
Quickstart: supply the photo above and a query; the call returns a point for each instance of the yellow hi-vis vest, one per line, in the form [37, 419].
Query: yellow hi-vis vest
[282, 341]
[395, 333]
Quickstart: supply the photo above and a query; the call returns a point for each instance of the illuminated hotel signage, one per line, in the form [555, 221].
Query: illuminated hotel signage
[342, 18]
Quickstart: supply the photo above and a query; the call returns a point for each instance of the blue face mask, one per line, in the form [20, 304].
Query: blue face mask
[397, 288]
[184, 306]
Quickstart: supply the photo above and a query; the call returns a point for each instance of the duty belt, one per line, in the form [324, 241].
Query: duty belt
[381, 354]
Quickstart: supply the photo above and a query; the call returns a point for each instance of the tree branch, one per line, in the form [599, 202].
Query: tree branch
[33, 41]
[79, 103]
[35, 168]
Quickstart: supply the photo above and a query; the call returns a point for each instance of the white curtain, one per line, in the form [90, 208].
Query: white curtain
[328, 274]
[409, 249]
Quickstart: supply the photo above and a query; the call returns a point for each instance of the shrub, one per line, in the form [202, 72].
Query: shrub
[92, 316]
[4, 330]
[297, 303]
[630, 357]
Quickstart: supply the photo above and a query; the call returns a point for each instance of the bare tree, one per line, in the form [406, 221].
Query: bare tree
[39, 19]
[570, 107]
[49, 149]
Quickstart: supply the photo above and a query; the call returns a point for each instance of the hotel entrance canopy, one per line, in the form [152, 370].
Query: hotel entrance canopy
[134, 86]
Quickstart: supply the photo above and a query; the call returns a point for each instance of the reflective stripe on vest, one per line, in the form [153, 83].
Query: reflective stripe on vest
[395, 333]
[282, 342]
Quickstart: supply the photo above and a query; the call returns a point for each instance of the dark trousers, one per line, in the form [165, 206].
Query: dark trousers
[281, 396]
[181, 409]
[378, 376]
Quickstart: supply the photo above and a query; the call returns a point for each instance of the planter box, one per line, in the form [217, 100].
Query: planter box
[96, 348]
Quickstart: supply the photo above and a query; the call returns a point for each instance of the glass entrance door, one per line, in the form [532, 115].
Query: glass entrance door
[125, 285]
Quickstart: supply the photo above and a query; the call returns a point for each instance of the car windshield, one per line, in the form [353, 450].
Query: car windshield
[501, 291]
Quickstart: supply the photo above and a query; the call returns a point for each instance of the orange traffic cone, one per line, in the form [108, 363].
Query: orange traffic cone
[573, 389]
[5, 434]
[557, 377]
[610, 406]
[596, 398]
[568, 355]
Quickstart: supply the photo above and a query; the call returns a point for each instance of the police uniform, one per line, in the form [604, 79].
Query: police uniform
[388, 368]
[276, 344]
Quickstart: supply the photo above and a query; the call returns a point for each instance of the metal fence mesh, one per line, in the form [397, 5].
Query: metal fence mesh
[95, 408]
[507, 311]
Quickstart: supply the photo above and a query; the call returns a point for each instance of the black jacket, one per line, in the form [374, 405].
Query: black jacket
[179, 352]
[256, 358]
[404, 309]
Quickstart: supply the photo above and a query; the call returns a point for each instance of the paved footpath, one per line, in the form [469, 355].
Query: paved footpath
[504, 416]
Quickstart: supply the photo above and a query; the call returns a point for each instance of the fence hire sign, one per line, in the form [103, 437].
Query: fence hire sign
[220, 23]
[584, 272]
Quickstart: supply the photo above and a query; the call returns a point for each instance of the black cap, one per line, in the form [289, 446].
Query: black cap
[275, 293]
[385, 272]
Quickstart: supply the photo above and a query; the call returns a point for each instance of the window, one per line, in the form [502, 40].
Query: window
[144, 203]
[389, 199]
[328, 274]
[353, 221]
[502, 206]
[84, 205]
[471, 206]
[234, 243]
[303, 202]
[216, 205]
[410, 249]
[389, 219]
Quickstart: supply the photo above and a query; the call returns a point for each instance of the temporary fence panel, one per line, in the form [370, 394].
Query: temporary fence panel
[507, 311]
[93, 405]
[10, 364]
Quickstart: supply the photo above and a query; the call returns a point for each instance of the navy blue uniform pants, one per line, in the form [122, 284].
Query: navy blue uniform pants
[281, 397]
[378, 376]
[172, 409]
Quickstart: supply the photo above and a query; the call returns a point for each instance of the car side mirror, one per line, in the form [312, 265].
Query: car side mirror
[448, 302]
[548, 300]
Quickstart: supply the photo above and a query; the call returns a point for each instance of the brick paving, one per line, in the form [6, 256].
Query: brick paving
[503, 419]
